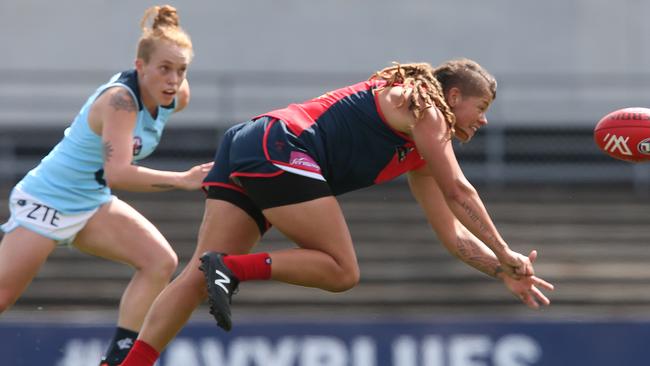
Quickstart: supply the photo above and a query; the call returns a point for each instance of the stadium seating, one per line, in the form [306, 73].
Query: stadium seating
[592, 240]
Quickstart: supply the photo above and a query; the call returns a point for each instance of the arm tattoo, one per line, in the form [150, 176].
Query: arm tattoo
[473, 216]
[482, 226]
[470, 253]
[122, 101]
[163, 186]
[108, 151]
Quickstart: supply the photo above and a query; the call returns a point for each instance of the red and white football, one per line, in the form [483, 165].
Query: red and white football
[625, 134]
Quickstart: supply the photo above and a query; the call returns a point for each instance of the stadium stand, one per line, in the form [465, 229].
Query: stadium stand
[544, 180]
[592, 238]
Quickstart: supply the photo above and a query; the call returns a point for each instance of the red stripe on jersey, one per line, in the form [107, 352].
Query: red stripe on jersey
[299, 117]
[256, 175]
[266, 137]
[402, 162]
[223, 185]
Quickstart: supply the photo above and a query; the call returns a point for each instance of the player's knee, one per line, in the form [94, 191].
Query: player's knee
[162, 266]
[168, 264]
[346, 280]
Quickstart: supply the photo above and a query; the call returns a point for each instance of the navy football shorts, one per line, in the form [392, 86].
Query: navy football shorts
[259, 165]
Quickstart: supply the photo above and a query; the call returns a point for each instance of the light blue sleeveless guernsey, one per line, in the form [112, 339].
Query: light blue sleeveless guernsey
[71, 177]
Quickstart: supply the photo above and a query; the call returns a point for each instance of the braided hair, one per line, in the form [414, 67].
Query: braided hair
[429, 85]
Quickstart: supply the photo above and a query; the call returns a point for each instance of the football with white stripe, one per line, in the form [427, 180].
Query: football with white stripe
[625, 134]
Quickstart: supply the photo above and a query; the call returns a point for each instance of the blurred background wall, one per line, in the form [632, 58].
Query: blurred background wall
[561, 66]
[558, 62]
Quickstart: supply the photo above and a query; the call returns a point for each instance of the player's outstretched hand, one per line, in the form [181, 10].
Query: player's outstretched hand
[517, 265]
[528, 288]
[194, 176]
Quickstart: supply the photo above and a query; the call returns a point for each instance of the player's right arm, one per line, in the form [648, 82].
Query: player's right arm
[431, 137]
[113, 116]
[466, 246]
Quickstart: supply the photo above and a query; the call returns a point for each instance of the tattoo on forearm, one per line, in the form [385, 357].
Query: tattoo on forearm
[464, 247]
[122, 100]
[107, 151]
[468, 209]
[483, 227]
[162, 186]
[470, 252]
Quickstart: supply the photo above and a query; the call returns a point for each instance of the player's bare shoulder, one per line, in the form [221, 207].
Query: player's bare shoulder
[119, 99]
[394, 104]
[115, 101]
[396, 107]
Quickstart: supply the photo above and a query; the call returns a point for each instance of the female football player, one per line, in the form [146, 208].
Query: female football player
[67, 198]
[286, 167]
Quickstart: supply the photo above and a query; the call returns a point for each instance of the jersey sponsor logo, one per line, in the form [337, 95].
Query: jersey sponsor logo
[618, 144]
[644, 146]
[223, 281]
[43, 213]
[137, 145]
[303, 160]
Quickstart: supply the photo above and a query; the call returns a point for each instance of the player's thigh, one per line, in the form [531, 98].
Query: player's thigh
[22, 253]
[318, 224]
[120, 233]
[305, 210]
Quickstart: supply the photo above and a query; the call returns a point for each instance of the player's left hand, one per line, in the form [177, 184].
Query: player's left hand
[193, 178]
[527, 289]
[517, 265]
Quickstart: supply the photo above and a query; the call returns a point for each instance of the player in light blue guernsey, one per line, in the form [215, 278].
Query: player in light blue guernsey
[71, 177]
[67, 198]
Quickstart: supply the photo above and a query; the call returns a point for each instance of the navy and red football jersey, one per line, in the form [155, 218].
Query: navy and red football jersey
[345, 133]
